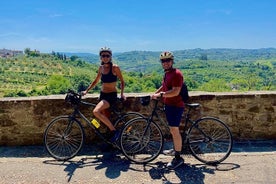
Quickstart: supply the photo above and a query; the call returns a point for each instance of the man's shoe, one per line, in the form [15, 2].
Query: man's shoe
[175, 163]
[169, 152]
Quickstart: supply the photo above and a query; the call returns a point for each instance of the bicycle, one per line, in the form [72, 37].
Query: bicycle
[64, 136]
[208, 139]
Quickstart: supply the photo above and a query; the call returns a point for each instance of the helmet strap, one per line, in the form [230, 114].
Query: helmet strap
[109, 62]
[169, 69]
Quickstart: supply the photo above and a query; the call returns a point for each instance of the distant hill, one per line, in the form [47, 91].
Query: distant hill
[140, 61]
[203, 69]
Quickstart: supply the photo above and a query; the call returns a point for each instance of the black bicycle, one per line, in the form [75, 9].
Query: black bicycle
[64, 136]
[208, 139]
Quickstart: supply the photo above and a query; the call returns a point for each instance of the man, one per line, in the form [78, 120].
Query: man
[174, 105]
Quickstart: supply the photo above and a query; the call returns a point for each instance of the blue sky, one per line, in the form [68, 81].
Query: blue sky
[143, 25]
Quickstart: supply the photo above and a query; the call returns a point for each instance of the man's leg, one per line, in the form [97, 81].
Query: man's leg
[177, 141]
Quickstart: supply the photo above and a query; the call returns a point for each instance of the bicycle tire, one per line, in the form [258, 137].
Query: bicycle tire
[141, 141]
[210, 140]
[120, 122]
[63, 138]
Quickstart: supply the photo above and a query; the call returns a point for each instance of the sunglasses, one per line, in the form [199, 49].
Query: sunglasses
[107, 56]
[165, 60]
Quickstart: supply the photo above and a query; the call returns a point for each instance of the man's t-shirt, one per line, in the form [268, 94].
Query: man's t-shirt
[173, 78]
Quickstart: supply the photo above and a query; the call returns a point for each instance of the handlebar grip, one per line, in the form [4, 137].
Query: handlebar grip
[75, 93]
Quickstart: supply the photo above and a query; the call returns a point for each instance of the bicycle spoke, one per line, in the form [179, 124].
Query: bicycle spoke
[141, 143]
[122, 120]
[210, 141]
[63, 138]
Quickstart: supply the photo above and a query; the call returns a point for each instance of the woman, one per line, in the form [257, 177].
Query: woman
[108, 74]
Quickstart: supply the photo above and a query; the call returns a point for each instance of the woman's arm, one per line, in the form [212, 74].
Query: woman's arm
[120, 76]
[95, 82]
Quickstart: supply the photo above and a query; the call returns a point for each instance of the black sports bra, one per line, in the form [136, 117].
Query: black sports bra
[109, 77]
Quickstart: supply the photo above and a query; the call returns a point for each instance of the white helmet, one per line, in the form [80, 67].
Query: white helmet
[166, 55]
[105, 49]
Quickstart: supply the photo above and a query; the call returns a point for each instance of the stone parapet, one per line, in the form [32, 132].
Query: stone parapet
[250, 115]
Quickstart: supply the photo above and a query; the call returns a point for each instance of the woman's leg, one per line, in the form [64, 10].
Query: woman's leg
[99, 113]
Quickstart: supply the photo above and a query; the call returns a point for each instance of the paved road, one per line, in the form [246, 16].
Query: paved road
[33, 165]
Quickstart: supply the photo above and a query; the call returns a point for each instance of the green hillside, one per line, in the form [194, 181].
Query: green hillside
[209, 69]
[143, 61]
[31, 74]
[205, 70]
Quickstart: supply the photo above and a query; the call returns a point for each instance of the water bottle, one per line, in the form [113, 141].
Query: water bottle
[95, 123]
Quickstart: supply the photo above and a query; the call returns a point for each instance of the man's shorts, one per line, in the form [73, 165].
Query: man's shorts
[174, 115]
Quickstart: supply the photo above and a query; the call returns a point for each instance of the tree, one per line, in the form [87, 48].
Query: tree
[27, 51]
[74, 58]
[203, 57]
[58, 84]
[80, 82]
[251, 81]
[214, 85]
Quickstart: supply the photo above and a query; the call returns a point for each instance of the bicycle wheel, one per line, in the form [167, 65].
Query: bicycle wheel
[63, 137]
[141, 141]
[210, 140]
[121, 121]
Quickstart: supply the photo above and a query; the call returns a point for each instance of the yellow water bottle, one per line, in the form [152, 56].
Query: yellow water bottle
[95, 123]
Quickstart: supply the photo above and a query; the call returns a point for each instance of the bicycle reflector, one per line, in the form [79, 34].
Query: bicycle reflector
[145, 100]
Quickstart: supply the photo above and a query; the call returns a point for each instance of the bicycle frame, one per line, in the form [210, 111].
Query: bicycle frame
[64, 135]
[153, 114]
[82, 116]
[186, 116]
[201, 136]
[118, 114]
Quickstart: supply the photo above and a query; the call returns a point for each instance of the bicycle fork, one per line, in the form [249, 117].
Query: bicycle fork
[68, 128]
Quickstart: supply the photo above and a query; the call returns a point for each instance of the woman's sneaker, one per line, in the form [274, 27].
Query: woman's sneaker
[114, 136]
[175, 163]
[169, 152]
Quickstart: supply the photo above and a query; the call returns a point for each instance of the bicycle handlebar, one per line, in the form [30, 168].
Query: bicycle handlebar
[73, 92]
[73, 97]
[145, 100]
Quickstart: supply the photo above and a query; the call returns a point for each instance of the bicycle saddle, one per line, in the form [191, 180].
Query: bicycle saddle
[193, 105]
[145, 100]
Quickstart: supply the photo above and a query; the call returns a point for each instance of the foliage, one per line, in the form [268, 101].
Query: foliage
[207, 70]
[57, 84]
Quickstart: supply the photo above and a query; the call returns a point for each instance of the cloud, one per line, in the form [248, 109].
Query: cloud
[12, 34]
[219, 11]
[55, 15]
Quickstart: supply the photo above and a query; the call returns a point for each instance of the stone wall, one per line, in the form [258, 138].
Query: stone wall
[249, 115]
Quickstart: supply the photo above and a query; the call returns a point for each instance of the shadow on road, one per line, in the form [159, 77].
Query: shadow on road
[186, 173]
[112, 163]
[40, 151]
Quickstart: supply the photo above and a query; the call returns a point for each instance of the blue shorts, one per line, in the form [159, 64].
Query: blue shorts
[173, 115]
